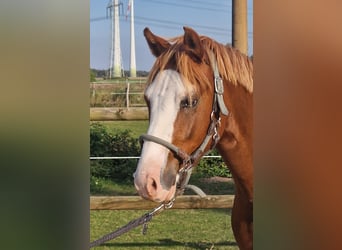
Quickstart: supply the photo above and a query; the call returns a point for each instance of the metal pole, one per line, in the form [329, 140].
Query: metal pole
[112, 40]
[133, 71]
[239, 21]
[117, 49]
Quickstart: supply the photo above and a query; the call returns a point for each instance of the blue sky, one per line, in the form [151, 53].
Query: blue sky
[164, 18]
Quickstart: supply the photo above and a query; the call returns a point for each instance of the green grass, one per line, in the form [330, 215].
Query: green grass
[114, 188]
[173, 229]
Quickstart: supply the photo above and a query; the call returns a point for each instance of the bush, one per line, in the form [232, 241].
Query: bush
[96, 184]
[121, 143]
[92, 75]
[210, 167]
[116, 143]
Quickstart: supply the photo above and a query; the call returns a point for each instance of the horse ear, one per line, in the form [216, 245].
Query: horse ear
[157, 44]
[193, 44]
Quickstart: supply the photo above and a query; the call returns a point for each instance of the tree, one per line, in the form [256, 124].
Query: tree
[92, 75]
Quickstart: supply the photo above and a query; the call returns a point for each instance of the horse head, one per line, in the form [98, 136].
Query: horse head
[179, 96]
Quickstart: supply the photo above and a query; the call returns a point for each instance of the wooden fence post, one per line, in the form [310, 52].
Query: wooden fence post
[239, 17]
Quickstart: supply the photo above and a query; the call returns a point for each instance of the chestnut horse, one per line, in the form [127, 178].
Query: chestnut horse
[199, 96]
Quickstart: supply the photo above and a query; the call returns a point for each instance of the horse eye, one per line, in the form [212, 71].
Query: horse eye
[185, 103]
[194, 102]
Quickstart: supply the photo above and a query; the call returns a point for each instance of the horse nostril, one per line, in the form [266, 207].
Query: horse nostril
[154, 184]
[151, 187]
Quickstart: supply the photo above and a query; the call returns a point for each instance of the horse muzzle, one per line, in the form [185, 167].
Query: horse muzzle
[150, 187]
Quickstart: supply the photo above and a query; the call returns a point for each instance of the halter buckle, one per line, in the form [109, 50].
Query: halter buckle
[218, 85]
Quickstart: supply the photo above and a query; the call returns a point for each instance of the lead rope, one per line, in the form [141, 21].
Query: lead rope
[143, 220]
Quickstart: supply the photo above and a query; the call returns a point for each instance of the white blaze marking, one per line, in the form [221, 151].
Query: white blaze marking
[164, 94]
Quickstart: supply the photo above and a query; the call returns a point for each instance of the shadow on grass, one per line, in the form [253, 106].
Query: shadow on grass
[172, 243]
[221, 210]
[211, 188]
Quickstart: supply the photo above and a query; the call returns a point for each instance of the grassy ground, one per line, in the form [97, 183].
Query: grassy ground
[172, 229]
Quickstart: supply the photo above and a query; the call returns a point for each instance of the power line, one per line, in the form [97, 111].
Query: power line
[188, 6]
[173, 25]
[223, 4]
[181, 24]
[208, 3]
[177, 28]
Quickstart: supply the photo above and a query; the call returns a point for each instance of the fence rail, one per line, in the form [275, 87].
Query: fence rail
[115, 114]
[182, 202]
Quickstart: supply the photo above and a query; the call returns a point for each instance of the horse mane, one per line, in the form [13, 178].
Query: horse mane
[233, 65]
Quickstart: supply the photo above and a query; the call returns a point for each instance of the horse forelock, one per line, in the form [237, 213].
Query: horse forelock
[233, 66]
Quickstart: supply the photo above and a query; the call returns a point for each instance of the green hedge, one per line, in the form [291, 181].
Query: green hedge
[105, 142]
[210, 167]
[112, 143]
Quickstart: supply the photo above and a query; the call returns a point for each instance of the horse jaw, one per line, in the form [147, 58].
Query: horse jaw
[155, 177]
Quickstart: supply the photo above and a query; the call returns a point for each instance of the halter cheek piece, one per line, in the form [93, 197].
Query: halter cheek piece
[189, 161]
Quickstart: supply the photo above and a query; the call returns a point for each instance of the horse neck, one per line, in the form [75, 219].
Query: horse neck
[237, 127]
[236, 143]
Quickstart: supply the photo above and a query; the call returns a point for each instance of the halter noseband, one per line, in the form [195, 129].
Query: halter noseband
[189, 161]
